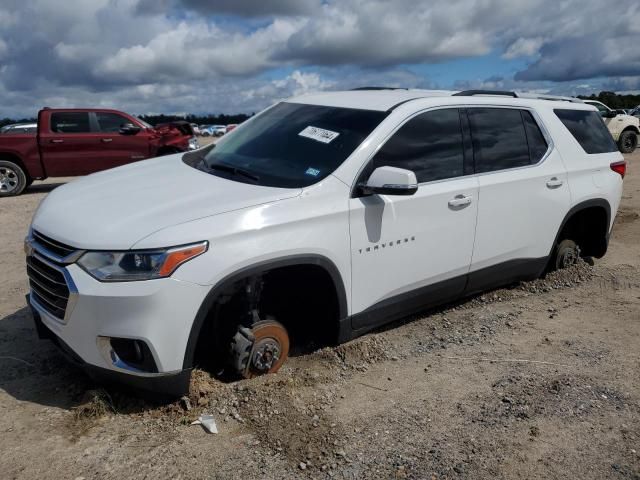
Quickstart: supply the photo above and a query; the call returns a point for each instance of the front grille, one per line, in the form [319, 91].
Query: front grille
[53, 246]
[48, 286]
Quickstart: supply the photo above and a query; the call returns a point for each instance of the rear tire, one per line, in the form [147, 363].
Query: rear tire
[628, 141]
[13, 180]
[566, 254]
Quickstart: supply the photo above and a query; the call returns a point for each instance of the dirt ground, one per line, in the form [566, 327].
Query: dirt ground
[537, 381]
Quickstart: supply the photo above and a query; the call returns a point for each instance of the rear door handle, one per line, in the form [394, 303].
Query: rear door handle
[554, 182]
[459, 201]
[56, 140]
[106, 140]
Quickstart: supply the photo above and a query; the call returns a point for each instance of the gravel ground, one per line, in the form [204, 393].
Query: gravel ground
[540, 380]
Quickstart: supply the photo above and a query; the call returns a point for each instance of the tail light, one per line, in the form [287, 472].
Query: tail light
[619, 167]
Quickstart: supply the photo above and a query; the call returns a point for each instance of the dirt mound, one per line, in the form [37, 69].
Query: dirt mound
[527, 396]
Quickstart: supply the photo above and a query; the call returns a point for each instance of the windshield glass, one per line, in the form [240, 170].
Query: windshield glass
[143, 123]
[291, 145]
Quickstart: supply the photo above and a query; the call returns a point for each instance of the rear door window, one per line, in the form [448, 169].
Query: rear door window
[588, 129]
[499, 139]
[430, 145]
[70, 122]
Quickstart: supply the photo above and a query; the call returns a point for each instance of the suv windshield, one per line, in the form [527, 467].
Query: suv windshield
[291, 145]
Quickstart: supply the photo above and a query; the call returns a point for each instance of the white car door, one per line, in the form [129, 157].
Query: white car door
[524, 195]
[408, 251]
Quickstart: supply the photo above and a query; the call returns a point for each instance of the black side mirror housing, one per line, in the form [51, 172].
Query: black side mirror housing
[610, 114]
[129, 129]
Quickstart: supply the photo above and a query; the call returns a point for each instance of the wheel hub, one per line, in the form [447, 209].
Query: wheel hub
[261, 349]
[628, 142]
[266, 354]
[8, 180]
[569, 258]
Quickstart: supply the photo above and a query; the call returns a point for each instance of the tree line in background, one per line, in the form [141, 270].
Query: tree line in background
[222, 119]
[614, 100]
[611, 99]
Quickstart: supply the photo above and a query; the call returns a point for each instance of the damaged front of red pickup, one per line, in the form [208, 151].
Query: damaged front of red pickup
[174, 137]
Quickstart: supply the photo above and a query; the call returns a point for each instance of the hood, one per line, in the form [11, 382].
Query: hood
[116, 208]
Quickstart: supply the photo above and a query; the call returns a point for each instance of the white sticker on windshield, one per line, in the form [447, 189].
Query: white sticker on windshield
[319, 134]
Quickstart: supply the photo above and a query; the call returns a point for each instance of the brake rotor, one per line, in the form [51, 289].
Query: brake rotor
[270, 348]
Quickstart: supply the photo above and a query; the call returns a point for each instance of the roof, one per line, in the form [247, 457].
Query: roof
[386, 99]
[367, 99]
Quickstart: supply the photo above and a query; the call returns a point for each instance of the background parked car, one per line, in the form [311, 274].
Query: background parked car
[70, 142]
[20, 128]
[213, 130]
[624, 128]
[230, 127]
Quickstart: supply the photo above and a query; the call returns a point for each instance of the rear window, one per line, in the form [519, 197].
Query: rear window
[291, 145]
[588, 129]
[70, 122]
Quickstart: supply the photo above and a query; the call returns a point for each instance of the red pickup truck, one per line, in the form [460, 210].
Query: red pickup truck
[71, 142]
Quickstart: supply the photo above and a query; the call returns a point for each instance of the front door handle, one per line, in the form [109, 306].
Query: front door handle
[106, 140]
[554, 182]
[56, 140]
[459, 201]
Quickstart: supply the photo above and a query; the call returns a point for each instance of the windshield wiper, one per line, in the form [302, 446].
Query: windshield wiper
[233, 170]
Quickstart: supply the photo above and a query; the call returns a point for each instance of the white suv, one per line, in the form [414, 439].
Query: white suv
[319, 219]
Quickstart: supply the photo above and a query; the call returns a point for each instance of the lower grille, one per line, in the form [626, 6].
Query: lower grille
[48, 286]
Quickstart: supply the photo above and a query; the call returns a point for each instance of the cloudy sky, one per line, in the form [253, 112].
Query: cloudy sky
[200, 56]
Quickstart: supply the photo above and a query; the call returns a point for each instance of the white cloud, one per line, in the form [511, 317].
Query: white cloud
[523, 47]
[196, 50]
[214, 55]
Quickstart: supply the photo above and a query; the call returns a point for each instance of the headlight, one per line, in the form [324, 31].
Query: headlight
[193, 143]
[138, 265]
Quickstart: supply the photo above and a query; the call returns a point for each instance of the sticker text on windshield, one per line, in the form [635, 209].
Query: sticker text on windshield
[319, 134]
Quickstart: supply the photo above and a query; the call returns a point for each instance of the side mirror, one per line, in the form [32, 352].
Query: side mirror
[610, 114]
[390, 181]
[129, 129]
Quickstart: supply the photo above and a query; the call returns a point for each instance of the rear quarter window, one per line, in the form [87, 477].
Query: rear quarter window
[588, 129]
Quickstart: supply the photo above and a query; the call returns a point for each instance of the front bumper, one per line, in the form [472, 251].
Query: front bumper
[160, 386]
[157, 313]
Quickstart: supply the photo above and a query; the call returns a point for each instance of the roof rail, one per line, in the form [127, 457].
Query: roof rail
[378, 88]
[533, 96]
[470, 93]
[544, 96]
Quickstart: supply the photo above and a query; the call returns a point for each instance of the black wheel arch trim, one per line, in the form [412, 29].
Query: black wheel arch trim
[257, 268]
[594, 202]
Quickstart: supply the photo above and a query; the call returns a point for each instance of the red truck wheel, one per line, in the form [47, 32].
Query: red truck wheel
[12, 179]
